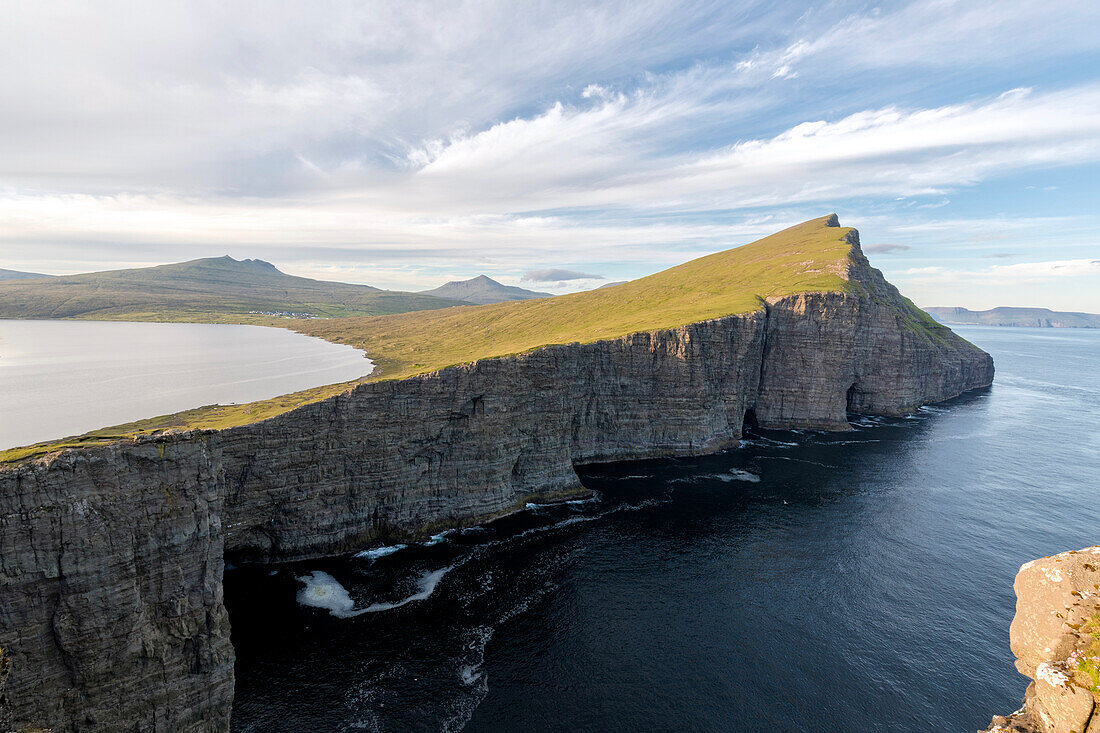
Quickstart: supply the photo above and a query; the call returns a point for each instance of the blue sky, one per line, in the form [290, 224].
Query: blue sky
[405, 144]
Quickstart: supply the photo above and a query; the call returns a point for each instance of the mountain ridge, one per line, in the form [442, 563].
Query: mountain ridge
[204, 289]
[9, 275]
[483, 290]
[1015, 316]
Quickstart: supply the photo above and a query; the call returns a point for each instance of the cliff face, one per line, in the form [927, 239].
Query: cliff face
[1055, 636]
[111, 599]
[112, 557]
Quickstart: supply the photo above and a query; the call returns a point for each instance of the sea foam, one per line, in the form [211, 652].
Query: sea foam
[380, 552]
[426, 584]
[324, 591]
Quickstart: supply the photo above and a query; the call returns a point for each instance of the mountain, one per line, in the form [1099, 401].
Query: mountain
[1007, 316]
[17, 275]
[483, 290]
[210, 289]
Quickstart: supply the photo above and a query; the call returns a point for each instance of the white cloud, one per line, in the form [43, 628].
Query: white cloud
[509, 135]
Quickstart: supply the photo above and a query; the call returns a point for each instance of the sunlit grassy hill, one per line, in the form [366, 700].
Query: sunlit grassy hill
[211, 289]
[808, 257]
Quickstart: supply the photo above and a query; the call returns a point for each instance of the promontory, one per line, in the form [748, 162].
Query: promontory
[113, 545]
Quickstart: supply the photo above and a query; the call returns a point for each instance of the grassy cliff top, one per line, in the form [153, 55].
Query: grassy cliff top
[810, 257]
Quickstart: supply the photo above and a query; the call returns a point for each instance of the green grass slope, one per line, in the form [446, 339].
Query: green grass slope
[212, 289]
[810, 257]
[805, 258]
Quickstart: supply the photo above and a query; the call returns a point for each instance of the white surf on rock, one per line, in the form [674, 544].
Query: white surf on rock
[324, 591]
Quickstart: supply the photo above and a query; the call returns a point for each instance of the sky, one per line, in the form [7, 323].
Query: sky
[556, 145]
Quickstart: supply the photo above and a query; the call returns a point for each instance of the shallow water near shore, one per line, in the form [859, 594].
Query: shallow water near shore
[62, 378]
[805, 581]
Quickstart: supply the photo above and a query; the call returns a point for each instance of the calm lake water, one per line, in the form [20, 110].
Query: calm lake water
[803, 582]
[61, 378]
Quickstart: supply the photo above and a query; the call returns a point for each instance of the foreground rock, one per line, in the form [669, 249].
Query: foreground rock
[1056, 639]
[111, 557]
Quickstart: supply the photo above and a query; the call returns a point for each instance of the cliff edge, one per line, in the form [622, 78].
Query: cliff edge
[1055, 636]
[111, 554]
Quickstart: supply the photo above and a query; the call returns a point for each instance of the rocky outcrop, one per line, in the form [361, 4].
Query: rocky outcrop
[1055, 636]
[111, 557]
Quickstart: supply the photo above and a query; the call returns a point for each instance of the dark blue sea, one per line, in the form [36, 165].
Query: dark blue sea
[856, 581]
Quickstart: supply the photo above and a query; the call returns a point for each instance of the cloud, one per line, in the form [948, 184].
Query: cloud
[554, 274]
[886, 248]
[1015, 274]
[392, 135]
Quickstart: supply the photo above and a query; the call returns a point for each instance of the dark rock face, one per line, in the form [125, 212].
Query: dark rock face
[112, 557]
[111, 599]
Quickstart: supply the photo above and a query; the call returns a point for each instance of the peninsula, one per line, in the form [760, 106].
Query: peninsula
[114, 546]
[1008, 316]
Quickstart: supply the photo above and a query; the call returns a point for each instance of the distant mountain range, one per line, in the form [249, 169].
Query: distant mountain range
[1006, 316]
[17, 275]
[483, 290]
[210, 289]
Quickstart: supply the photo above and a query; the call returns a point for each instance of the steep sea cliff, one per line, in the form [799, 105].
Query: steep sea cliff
[111, 557]
[1055, 636]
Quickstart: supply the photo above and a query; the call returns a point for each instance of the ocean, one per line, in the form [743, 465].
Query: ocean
[804, 581]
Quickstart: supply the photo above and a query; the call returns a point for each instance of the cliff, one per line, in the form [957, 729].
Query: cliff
[111, 556]
[1055, 636]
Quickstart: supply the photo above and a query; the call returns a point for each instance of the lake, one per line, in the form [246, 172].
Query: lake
[855, 581]
[62, 378]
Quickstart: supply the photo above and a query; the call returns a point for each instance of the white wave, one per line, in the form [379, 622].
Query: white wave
[426, 585]
[734, 474]
[324, 591]
[762, 442]
[469, 674]
[378, 552]
[798, 460]
[437, 538]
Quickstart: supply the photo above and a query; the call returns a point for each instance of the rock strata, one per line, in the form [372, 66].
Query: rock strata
[1055, 636]
[111, 557]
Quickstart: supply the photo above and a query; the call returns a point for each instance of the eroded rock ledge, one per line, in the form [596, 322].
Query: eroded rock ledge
[1055, 636]
[111, 558]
